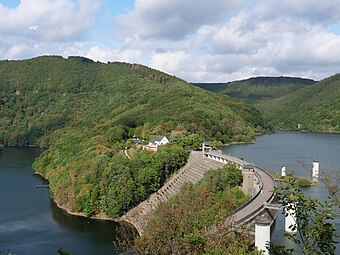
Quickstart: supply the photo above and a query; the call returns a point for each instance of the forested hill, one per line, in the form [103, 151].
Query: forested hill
[85, 111]
[289, 103]
[313, 108]
[44, 94]
[257, 89]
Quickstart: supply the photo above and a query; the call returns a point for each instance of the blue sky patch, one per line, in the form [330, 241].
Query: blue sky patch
[10, 3]
[335, 29]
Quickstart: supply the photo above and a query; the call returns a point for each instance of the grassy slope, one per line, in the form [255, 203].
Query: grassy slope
[83, 111]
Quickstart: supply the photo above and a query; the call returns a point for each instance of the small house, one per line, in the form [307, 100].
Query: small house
[156, 142]
[159, 140]
[248, 167]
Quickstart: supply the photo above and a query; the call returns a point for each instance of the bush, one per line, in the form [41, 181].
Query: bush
[185, 224]
[303, 182]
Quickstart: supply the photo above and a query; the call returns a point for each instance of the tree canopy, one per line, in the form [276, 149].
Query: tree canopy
[84, 111]
[290, 103]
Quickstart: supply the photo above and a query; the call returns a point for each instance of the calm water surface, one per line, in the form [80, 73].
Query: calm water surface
[30, 223]
[292, 147]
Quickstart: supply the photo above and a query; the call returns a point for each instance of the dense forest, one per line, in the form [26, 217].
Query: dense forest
[84, 112]
[314, 108]
[258, 89]
[290, 103]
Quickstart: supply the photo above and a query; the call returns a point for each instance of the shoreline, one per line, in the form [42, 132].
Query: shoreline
[78, 214]
[236, 143]
[119, 219]
[106, 218]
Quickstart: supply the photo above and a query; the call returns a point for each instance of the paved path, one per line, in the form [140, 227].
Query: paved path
[126, 153]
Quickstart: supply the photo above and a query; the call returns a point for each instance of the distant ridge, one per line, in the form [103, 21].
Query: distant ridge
[255, 89]
[313, 108]
[289, 103]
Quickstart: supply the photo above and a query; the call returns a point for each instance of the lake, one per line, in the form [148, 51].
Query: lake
[30, 223]
[293, 147]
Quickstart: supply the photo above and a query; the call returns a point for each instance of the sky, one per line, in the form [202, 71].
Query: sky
[196, 40]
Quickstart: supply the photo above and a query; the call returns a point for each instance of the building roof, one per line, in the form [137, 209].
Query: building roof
[157, 138]
[178, 131]
[248, 166]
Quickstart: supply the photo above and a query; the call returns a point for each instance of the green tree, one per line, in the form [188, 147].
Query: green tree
[195, 141]
[228, 175]
[332, 182]
[193, 221]
[315, 230]
[215, 144]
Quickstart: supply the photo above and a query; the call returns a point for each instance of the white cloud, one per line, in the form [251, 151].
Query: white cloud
[173, 62]
[322, 12]
[203, 40]
[45, 21]
[254, 42]
[106, 54]
[173, 19]
[48, 20]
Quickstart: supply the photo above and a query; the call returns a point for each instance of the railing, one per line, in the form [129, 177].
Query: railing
[248, 202]
[248, 218]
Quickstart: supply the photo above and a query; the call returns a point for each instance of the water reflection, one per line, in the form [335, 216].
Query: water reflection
[292, 147]
[102, 231]
[30, 223]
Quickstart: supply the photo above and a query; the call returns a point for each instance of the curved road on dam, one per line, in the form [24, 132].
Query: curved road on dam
[193, 171]
[265, 193]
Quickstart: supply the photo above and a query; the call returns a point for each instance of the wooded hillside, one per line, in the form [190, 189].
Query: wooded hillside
[258, 89]
[290, 103]
[314, 108]
[84, 112]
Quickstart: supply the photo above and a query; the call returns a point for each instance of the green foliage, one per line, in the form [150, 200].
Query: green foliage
[215, 144]
[109, 183]
[313, 108]
[41, 95]
[228, 175]
[192, 141]
[315, 230]
[290, 103]
[258, 89]
[303, 182]
[332, 182]
[193, 221]
[85, 111]
[276, 249]
[62, 252]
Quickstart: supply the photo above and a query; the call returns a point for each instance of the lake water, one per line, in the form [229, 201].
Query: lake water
[293, 147]
[30, 223]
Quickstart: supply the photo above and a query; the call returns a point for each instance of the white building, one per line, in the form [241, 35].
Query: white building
[159, 140]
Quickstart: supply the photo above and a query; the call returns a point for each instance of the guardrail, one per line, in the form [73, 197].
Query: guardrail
[251, 216]
[248, 218]
[248, 202]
